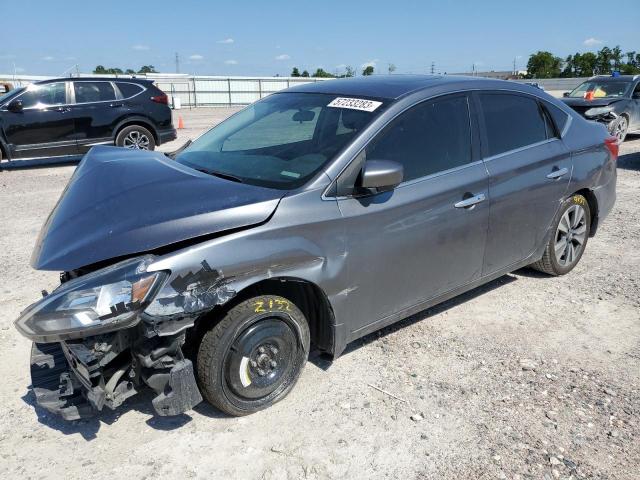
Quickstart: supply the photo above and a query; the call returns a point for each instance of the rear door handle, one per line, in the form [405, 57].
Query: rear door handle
[115, 105]
[63, 109]
[558, 173]
[471, 201]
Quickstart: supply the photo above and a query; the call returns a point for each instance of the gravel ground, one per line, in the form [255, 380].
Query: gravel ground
[526, 377]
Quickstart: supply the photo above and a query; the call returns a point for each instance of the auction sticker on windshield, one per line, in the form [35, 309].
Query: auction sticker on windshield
[355, 104]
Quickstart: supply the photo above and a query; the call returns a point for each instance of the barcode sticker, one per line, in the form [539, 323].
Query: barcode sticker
[355, 104]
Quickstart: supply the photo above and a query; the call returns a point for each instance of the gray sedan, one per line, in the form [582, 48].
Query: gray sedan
[307, 220]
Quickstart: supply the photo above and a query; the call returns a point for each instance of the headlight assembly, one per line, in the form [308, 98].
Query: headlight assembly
[597, 111]
[102, 301]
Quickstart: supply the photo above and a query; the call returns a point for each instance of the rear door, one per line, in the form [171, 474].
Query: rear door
[529, 171]
[418, 241]
[95, 110]
[44, 127]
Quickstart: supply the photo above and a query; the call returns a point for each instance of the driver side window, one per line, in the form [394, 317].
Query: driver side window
[431, 137]
[44, 95]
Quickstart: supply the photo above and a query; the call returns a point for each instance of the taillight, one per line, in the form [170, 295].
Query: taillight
[612, 144]
[161, 99]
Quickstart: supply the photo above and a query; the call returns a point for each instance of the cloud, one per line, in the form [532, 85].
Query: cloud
[342, 66]
[370, 63]
[226, 40]
[141, 48]
[284, 56]
[196, 57]
[48, 58]
[590, 42]
[70, 58]
[231, 62]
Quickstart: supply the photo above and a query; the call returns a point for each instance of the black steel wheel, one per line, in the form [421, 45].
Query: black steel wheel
[253, 357]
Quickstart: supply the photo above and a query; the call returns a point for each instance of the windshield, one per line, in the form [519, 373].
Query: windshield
[600, 89]
[281, 141]
[10, 94]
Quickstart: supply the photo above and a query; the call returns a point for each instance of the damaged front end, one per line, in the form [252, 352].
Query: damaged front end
[101, 337]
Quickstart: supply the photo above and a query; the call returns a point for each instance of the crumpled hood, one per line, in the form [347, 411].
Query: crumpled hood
[122, 202]
[596, 102]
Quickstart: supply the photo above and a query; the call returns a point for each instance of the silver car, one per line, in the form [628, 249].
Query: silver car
[307, 220]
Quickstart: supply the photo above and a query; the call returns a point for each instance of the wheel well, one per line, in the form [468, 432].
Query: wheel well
[593, 208]
[138, 123]
[307, 296]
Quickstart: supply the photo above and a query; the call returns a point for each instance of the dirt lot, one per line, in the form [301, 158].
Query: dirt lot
[526, 377]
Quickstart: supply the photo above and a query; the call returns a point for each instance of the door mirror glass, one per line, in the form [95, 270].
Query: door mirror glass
[566, 94]
[15, 106]
[381, 175]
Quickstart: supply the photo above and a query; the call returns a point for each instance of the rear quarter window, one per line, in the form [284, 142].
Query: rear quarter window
[559, 117]
[128, 90]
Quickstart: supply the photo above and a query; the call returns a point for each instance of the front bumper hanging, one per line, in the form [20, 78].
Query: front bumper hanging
[77, 379]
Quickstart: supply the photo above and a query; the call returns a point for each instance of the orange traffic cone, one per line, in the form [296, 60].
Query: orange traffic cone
[180, 123]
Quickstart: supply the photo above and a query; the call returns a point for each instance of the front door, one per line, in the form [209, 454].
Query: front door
[43, 127]
[427, 236]
[529, 171]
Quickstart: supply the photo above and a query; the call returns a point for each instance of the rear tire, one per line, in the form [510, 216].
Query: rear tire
[253, 357]
[135, 137]
[569, 238]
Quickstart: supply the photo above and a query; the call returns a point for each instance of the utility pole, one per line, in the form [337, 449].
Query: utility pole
[433, 68]
[177, 63]
[515, 72]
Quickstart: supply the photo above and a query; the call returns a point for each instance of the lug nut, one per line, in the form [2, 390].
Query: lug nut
[253, 363]
[261, 350]
[274, 350]
[273, 364]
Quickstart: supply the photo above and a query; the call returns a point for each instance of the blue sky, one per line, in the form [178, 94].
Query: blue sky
[267, 38]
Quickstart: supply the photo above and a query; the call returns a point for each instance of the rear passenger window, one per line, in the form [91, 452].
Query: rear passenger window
[512, 121]
[87, 92]
[128, 90]
[429, 138]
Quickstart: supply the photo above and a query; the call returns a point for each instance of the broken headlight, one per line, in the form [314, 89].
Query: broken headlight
[102, 301]
[597, 111]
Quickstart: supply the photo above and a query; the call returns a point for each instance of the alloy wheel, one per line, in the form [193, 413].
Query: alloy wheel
[136, 140]
[620, 130]
[570, 235]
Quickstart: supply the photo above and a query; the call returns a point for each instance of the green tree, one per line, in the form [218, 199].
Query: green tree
[544, 65]
[320, 73]
[392, 68]
[349, 71]
[368, 70]
[304, 73]
[100, 70]
[130, 71]
[147, 69]
[295, 72]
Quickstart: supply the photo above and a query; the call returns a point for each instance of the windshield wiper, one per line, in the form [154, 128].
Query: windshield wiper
[226, 176]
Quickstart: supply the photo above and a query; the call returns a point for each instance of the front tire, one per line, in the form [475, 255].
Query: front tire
[571, 233]
[619, 128]
[253, 357]
[135, 137]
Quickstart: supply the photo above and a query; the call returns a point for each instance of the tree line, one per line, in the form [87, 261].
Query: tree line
[543, 64]
[320, 73]
[101, 70]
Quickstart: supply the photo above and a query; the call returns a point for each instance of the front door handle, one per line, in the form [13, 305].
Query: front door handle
[115, 105]
[557, 173]
[470, 201]
[63, 109]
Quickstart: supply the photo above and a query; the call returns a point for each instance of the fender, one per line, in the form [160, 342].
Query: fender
[147, 122]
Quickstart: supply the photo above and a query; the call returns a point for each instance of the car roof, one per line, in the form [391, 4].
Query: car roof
[392, 87]
[96, 79]
[618, 78]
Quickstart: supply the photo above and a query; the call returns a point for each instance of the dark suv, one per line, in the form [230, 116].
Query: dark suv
[69, 116]
[613, 100]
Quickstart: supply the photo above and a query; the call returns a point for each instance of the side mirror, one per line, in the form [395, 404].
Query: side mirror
[15, 106]
[381, 175]
[566, 94]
